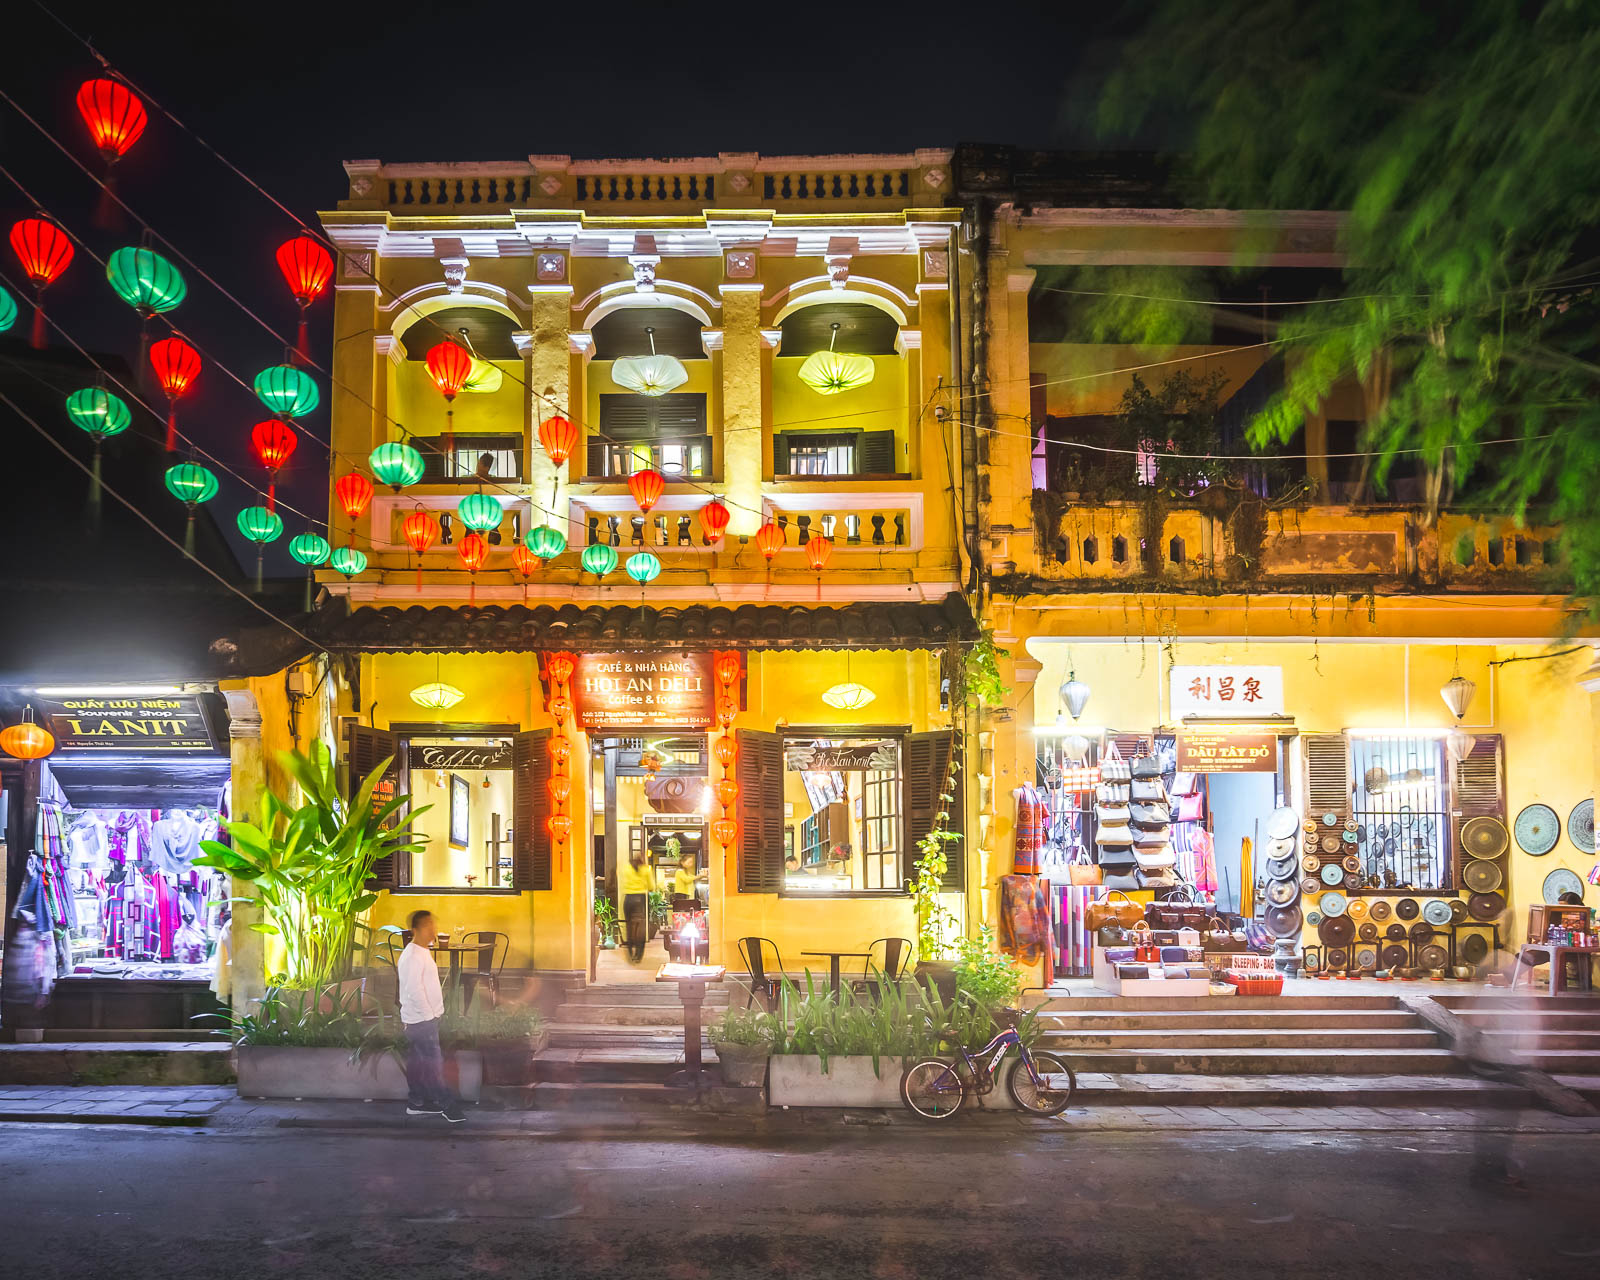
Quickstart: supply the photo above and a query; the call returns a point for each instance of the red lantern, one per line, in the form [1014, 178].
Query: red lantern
[354, 492]
[523, 561]
[560, 667]
[560, 751]
[714, 519]
[559, 438]
[726, 831]
[560, 788]
[818, 549]
[727, 792]
[473, 550]
[725, 666]
[44, 251]
[646, 487]
[115, 116]
[308, 268]
[449, 365]
[273, 442]
[177, 365]
[560, 708]
[559, 826]
[769, 540]
[726, 750]
[419, 529]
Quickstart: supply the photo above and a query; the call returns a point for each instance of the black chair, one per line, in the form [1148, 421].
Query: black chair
[382, 978]
[896, 956]
[492, 951]
[763, 978]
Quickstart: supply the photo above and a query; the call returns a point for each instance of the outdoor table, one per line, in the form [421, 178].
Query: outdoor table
[1557, 954]
[454, 950]
[834, 957]
[691, 980]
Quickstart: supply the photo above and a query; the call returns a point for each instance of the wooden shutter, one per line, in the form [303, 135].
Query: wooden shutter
[1327, 758]
[760, 775]
[597, 457]
[1134, 746]
[364, 750]
[875, 454]
[780, 454]
[530, 806]
[926, 761]
[632, 417]
[1476, 788]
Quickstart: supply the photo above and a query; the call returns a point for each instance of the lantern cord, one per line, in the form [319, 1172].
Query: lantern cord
[161, 533]
[37, 332]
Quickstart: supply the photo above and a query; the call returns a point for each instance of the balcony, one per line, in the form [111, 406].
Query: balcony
[681, 456]
[864, 521]
[499, 455]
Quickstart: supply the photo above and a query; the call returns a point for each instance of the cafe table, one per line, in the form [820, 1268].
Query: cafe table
[834, 963]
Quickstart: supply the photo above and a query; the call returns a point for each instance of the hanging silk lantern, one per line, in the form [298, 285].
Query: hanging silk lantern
[116, 119]
[353, 492]
[818, 549]
[449, 365]
[102, 415]
[727, 712]
[559, 826]
[714, 519]
[560, 667]
[420, 531]
[273, 442]
[348, 561]
[524, 562]
[560, 788]
[481, 512]
[769, 540]
[27, 740]
[191, 484]
[651, 375]
[546, 543]
[261, 526]
[310, 549]
[485, 378]
[286, 391]
[726, 750]
[560, 708]
[560, 751]
[727, 791]
[830, 372]
[44, 251]
[599, 558]
[726, 667]
[559, 438]
[646, 487]
[176, 365]
[643, 567]
[396, 465]
[8, 310]
[145, 280]
[473, 550]
[725, 831]
[307, 267]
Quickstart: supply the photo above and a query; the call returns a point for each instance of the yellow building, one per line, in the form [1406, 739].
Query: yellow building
[1291, 614]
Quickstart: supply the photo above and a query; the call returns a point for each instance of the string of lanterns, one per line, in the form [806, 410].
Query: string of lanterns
[558, 671]
[726, 669]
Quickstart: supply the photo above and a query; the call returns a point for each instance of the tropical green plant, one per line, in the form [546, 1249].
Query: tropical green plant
[605, 916]
[658, 908]
[300, 1020]
[753, 1028]
[309, 863]
[981, 671]
[935, 921]
[984, 973]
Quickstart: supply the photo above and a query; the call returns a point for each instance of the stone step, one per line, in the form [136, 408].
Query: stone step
[1207, 1040]
[1255, 1062]
[1550, 1019]
[1587, 1086]
[1544, 1040]
[1402, 1091]
[639, 1015]
[117, 1062]
[135, 1035]
[643, 994]
[629, 1095]
[634, 1064]
[1579, 1062]
[1264, 1019]
[1160, 1003]
[1522, 999]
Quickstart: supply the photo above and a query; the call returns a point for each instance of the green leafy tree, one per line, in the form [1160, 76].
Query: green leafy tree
[1464, 144]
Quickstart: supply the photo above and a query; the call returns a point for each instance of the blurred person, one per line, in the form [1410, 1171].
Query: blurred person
[421, 1009]
[636, 881]
[685, 878]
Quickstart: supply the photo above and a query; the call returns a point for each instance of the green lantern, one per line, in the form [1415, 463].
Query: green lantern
[99, 412]
[599, 558]
[191, 484]
[480, 512]
[396, 465]
[145, 280]
[348, 561]
[310, 549]
[545, 542]
[286, 391]
[261, 527]
[8, 310]
[643, 568]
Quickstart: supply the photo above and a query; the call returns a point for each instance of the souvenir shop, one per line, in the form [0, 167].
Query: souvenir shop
[109, 921]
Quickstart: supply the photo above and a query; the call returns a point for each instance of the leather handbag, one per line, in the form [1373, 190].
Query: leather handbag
[1163, 879]
[1165, 937]
[1126, 913]
[1188, 809]
[1112, 814]
[1149, 791]
[1124, 880]
[1149, 815]
[1144, 943]
[1220, 938]
[1146, 767]
[1111, 935]
[1114, 834]
[1083, 873]
[1154, 859]
[1150, 839]
[1188, 937]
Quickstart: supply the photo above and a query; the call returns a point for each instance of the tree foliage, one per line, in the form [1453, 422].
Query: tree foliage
[1463, 142]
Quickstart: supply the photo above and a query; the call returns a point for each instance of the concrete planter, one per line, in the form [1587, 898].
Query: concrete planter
[266, 1071]
[798, 1080]
[510, 1062]
[744, 1066]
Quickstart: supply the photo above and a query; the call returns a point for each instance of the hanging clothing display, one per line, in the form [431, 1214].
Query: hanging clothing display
[1032, 823]
[1024, 918]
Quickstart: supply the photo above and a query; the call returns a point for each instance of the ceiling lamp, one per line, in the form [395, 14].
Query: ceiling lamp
[1074, 694]
[830, 372]
[483, 378]
[1457, 691]
[651, 375]
[436, 696]
[848, 696]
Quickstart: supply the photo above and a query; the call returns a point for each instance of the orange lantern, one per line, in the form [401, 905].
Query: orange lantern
[559, 787]
[727, 712]
[560, 752]
[473, 550]
[560, 708]
[559, 438]
[727, 792]
[726, 750]
[559, 826]
[818, 549]
[646, 486]
[726, 831]
[27, 740]
[354, 492]
[560, 668]
[725, 666]
[524, 561]
[419, 529]
[651, 760]
[714, 519]
[769, 540]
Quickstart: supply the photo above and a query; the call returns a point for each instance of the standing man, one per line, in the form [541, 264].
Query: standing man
[421, 1008]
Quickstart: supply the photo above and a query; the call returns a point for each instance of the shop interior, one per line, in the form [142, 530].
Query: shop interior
[842, 819]
[465, 783]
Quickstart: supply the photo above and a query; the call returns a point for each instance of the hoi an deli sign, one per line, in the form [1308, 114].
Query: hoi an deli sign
[1215, 751]
[172, 723]
[643, 690]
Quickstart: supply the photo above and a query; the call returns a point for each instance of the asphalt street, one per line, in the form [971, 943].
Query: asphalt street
[893, 1203]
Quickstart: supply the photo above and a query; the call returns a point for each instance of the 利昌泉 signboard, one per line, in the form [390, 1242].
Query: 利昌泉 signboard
[643, 690]
[1226, 690]
[1223, 751]
[133, 725]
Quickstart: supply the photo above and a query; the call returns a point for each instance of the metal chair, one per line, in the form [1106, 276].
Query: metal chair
[754, 951]
[896, 953]
[492, 951]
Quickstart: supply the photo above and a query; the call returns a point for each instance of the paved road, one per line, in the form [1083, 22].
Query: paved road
[888, 1203]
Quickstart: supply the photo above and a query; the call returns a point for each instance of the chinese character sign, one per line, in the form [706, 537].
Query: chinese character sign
[1224, 691]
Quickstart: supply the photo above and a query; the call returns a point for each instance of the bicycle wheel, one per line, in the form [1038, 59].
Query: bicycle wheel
[1047, 1098]
[931, 1089]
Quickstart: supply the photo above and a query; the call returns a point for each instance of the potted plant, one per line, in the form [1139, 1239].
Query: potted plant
[605, 919]
[507, 1037]
[743, 1041]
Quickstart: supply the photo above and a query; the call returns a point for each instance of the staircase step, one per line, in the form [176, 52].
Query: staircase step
[1254, 1062]
[628, 1095]
[1200, 1019]
[1588, 1086]
[1165, 1004]
[1581, 1062]
[1407, 1091]
[117, 1062]
[1543, 1040]
[1522, 999]
[1551, 1019]
[1208, 1040]
[641, 994]
[640, 1015]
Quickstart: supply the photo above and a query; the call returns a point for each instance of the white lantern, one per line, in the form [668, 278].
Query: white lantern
[848, 696]
[830, 372]
[651, 375]
[1074, 695]
[437, 696]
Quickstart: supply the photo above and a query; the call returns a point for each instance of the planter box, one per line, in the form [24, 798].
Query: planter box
[510, 1062]
[743, 1066]
[267, 1071]
[798, 1081]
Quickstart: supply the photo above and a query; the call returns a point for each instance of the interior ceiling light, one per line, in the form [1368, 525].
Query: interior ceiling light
[651, 375]
[848, 696]
[482, 377]
[830, 372]
[1457, 691]
[437, 696]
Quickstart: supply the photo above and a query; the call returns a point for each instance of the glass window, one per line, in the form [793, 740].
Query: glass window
[466, 831]
[845, 796]
[822, 455]
[1402, 811]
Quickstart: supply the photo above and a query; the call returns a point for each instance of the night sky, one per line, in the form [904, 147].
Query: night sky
[288, 92]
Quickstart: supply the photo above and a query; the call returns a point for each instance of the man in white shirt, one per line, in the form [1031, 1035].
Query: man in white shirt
[421, 1008]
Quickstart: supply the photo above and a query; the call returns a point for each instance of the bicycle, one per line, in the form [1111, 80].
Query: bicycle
[935, 1089]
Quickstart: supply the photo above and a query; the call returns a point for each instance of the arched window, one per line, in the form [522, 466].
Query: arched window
[487, 414]
[868, 437]
[667, 432]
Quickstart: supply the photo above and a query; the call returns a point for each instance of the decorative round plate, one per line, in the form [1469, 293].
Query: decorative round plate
[1349, 837]
[1562, 881]
[1432, 956]
[1366, 957]
[1336, 931]
[1395, 933]
[1436, 911]
[1338, 957]
[1389, 847]
[1367, 931]
[1330, 819]
[1351, 825]
[1279, 848]
[1375, 779]
[1537, 828]
[1281, 825]
[1332, 903]
[1486, 906]
[1361, 836]
[1309, 826]
[1310, 863]
[1381, 910]
[1484, 837]
[1580, 826]
[1421, 931]
[1280, 893]
[1280, 868]
[1313, 917]
[1312, 962]
[1394, 956]
[1332, 873]
[1351, 862]
[1352, 880]
[1458, 911]
[1331, 844]
[1357, 910]
[1482, 877]
[1407, 817]
[1407, 909]
[1311, 885]
[1474, 947]
[1283, 922]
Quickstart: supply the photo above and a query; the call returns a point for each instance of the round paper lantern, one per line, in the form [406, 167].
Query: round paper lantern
[8, 310]
[643, 567]
[523, 560]
[191, 484]
[286, 391]
[560, 667]
[310, 549]
[559, 827]
[44, 251]
[725, 831]
[307, 267]
[727, 792]
[260, 525]
[176, 365]
[769, 540]
[653, 375]
[27, 740]
[830, 372]
[726, 750]
[145, 280]
[473, 550]
[560, 708]
[559, 787]
[115, 116]
[726, 668]
[646, 487]
[449, 365]
[727, 712]
[348, 561]
[559, 438]
[599, 558]
[546, 543]
[353, 492]
[436, 696]
[714, 519]
[485, 378]
[396, 465]
[99, 412]
[273, 442]
[481, 512]
[560, 751]
[818, 549]
[420, 531]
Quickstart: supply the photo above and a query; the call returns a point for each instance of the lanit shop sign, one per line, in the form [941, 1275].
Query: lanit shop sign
[1227, 690]
[643, 690]
[166, 724]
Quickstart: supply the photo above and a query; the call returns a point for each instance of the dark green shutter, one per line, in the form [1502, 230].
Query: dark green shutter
[530, 806]
[365, 750]
[780, 454]
[875, 454]
[760, 775]
[926, 763]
